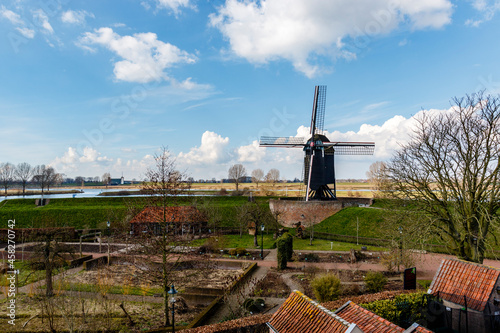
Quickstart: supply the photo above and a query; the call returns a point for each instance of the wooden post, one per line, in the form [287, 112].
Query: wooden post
[109, 258]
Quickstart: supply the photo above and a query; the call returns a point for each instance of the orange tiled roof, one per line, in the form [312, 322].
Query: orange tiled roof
[369, 321]
[457, 278]
[172, 214]
[299, 314]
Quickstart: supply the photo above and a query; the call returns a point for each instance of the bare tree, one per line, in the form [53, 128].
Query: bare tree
[378, 177]
[40, 176]
[236, 173]
[49, 252]
[6, 175]
[44, 177]
[106, 178]
[79, 180]
[450, 169]
[24, 173]
[164, 182]
[273, 176]
[256, 214]
[257, 176]
[309, 218]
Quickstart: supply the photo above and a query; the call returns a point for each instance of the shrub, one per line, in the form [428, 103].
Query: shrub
[210, 246]
[375, 281]
[425, 284]
[388, 309]
[241, 251]
[309, 257]
[281, 244]
[289, 245]
[326, 287]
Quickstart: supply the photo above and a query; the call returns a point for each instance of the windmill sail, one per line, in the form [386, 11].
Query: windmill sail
[318, 112]
[281, 141]
[350, 148]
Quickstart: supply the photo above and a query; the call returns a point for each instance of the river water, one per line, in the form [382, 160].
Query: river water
[86, 193]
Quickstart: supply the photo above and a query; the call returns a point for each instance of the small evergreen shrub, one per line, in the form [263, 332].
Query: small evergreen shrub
[375, 282]
[326, 287]
[289, 245]
[281, 244]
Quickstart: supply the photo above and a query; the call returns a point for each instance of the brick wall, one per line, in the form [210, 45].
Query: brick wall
[311, 212]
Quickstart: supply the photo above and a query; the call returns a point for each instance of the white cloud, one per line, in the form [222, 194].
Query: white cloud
[299, 30]
[14, 18]
[75, 17]
[90, 162]
[145, 58]
[251, 152]
[486, 9]
[92, 155]
[26, 32]
[174, 6]
[212, 150]
[41, 19]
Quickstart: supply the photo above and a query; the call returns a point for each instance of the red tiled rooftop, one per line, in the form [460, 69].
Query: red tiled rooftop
[457, 278]
[172, 214]
[299, 314]
[368, 321]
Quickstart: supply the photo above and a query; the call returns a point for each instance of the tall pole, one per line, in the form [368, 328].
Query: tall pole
[173, 317]
[262, 242]
[357, 230]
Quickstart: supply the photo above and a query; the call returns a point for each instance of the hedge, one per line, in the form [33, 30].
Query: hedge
[285, 249]
[388, 308]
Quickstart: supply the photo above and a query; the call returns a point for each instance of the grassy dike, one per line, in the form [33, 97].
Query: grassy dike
[93, 212]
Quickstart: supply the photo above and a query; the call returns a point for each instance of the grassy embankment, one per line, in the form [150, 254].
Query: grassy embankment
[84, 213]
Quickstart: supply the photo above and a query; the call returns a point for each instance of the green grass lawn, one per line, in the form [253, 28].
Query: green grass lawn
[121, 290]
[345, 222]
[247, 242]
[28, 275]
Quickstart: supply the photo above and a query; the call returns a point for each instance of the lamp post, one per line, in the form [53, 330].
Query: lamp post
[262, 242]
[171, 293]
[400, 246]
[109, 225]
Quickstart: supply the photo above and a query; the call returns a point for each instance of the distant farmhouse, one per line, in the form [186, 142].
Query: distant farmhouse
[180, 220]
[117, 181]
[467, 297]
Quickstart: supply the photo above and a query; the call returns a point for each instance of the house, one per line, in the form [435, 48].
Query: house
[180, 220]
[116, 181]
[469, 294]
[300, 314]
[370, 322]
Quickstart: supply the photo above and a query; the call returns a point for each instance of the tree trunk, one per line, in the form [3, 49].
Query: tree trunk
[165, 278]
[49, 292]
[311, 235]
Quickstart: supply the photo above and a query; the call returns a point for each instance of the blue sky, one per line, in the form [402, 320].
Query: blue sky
[98, 86]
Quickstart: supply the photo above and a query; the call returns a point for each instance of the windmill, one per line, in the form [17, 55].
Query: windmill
[319, 152]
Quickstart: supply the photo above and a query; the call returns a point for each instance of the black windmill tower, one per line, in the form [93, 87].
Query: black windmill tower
[319, 152]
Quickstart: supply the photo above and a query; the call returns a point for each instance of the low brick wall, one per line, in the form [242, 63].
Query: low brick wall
[94, 263]
[79, 261]
[307, 212]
